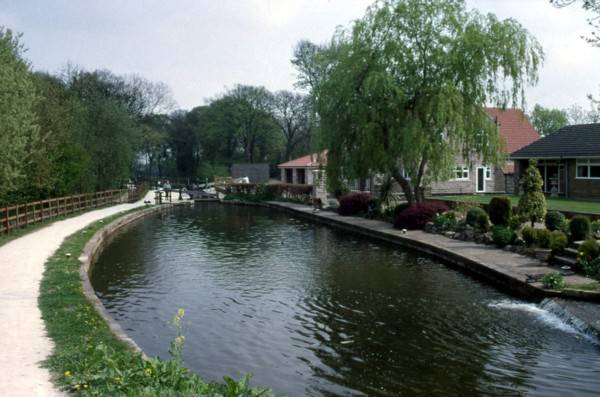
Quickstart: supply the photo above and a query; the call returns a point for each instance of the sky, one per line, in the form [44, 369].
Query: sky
[201, 47]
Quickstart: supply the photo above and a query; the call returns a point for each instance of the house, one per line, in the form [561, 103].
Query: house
[569, 161]
[517, 132]
[303, 170]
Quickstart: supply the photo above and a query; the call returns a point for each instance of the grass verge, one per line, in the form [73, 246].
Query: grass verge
[88, 360]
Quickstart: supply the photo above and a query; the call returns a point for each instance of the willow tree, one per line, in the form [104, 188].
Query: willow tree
[405, 88]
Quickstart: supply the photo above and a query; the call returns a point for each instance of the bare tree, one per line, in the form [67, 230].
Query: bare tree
[292, 112]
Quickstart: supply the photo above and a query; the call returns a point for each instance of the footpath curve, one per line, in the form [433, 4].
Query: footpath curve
[23, 340]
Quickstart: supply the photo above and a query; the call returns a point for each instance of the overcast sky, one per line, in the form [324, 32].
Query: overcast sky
[200, 47]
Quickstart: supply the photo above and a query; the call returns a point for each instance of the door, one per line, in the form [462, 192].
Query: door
[480, 179]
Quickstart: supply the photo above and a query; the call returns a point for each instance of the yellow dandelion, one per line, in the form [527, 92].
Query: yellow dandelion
[67, 373]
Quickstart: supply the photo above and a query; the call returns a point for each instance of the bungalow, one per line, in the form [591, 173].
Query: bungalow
[569, 161]
[517, 131]
[303, 169]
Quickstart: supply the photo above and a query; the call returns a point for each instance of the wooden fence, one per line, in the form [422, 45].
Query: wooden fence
[21, 215]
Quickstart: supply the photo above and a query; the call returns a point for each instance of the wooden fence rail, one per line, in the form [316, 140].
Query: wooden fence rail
[21, 215]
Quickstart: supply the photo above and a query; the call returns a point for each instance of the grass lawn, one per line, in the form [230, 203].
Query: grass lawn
[558, 204]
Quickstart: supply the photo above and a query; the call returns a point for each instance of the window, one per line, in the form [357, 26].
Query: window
[460, 173]
[588, 169]
[488, 173]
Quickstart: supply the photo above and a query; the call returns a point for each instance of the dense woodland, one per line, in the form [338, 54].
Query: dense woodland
[82, 131]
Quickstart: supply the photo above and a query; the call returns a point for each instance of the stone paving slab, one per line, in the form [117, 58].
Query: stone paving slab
[504, 268]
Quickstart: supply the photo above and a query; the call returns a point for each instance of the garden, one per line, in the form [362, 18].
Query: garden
[528, 228]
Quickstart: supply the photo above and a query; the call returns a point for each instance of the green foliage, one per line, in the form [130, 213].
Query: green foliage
[547, 121]
[543, 238]
[395, 90]
[529, 235]
[446, 221]
[591, 268]
[532, 204]
[515, 222]
[500, 210]
[88, 360]
[555, 220]
[580, 228]
[502, 235]
[589, 250]
[478, 218]
[559, 241]
[553, 281]
[19, 132]
[596, 226]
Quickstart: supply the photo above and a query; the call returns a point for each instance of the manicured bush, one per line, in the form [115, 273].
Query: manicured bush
[532, 204]
[477, 218]
[559, 241]
[580, 228]
[446, 221]
[417, 216]
[543, 238]
[502, 235]
[589, 249]
[354, 203]
[529, 235]
[500, 210]
[555, 220]
[553, 281]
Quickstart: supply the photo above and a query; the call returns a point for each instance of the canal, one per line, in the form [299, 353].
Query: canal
[312, 311]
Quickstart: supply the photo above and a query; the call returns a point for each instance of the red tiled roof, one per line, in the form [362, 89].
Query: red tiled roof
[515, 128]
[310, 160]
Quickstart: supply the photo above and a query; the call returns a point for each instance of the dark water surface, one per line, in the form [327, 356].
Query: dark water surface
[312, 311]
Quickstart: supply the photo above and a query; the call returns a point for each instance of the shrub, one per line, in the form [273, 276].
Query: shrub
[553, 281]
[591, 268]
[555, 220]
[596, 226]
[589, 249]
[580, 228]
[417, 216]
[500, 210]
[529, 235]
[502, 235]
[515, 222]
[354, 203]
[543, 238]
[446, 221]
[477, 218]
[559, 241]
[532, 204]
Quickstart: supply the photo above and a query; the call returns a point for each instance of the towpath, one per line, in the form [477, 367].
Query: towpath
[23, 340]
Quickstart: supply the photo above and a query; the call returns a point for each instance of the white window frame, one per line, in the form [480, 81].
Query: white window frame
[463, 170]
[588, 163]
[488, 173]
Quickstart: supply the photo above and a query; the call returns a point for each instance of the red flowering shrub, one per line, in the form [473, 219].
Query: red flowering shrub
[354, 203]
[418, 215]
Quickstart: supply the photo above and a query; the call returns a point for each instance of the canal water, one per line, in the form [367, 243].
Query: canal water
[312, 311]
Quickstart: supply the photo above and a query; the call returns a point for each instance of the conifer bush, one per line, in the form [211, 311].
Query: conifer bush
[532, 204]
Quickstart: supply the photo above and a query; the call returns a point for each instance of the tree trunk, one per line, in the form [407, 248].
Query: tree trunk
[405, 185]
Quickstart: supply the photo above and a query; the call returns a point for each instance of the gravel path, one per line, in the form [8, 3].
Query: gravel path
[23, 340]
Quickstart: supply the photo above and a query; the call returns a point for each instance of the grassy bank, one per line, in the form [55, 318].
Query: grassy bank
[88, 360]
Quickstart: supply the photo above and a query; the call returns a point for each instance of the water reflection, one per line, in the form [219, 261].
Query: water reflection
[312, 311]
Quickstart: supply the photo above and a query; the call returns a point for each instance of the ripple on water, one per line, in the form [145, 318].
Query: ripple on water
[312, 311]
